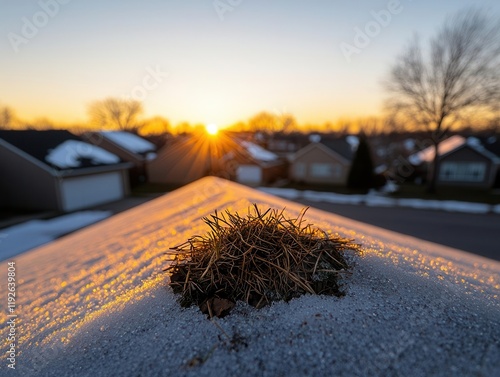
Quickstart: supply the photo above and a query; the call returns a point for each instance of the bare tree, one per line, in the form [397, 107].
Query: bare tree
[42, 123]
[157, 125]
[115, 113]
[263, 122]
[370, 126]
[286, 123]
[6, 117]
[457, 75]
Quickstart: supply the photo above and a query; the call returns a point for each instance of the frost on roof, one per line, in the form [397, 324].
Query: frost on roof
[96, 302]
[259, 153]
[427, 154]
[129, 141]
[70, 153]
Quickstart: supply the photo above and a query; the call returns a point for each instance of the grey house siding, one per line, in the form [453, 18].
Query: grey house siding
[462, 156]
[25, 185]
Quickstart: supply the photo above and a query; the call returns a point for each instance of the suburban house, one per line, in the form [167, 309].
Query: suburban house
[260, 166]
[323, 161]
[129, 147]
[463, 162]
[56, 170]
[188, 158]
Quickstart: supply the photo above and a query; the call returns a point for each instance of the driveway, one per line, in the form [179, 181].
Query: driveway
[478, 234]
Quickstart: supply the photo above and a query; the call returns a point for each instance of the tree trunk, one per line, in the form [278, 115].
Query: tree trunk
[432, 188]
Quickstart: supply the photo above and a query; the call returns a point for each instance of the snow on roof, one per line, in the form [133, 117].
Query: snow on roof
[409, 144]
[96, 302]
[353, 141]
[259, 153]
[69, 154]
[427, 154]
[129, 141]
[314, 138]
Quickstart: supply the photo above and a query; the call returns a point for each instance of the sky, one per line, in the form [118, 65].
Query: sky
[209, 61]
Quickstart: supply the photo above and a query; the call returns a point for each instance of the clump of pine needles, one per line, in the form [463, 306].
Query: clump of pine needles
[259, 258]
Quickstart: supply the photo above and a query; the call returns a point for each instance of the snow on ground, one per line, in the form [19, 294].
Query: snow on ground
[19, 238]
[68, 154]
[374, 200]
[96, 303]
[129, 141]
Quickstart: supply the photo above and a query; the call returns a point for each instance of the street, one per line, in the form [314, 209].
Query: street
[478, 234]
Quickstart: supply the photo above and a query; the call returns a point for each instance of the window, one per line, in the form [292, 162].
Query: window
[462, 171]
[325, 170]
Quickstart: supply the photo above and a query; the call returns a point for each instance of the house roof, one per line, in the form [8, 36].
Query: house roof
[487, 147]
[130, 142]
[446, 146]
[59, 149]
[491, 144]
[258, 153]
[341, 146]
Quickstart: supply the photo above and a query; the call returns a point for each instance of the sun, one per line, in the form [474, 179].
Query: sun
[212, 129]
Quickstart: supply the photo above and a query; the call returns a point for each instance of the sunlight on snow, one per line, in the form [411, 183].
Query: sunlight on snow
[76, 279]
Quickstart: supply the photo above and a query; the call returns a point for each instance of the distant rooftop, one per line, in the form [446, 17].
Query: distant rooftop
[59, 149]
[258, 153]
[129, 141]
[341, 146]
[488, 147]
[427, 154]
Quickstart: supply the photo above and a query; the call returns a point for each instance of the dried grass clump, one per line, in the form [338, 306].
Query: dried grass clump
[260, 258]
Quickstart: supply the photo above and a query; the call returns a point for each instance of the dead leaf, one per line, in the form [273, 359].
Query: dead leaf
[216, 307]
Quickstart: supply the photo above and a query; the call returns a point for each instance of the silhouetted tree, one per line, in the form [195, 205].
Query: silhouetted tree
[286, 123]
[6, 117]
[458, 73]
[40, 124]
[156, 125]
[263, 122]
[115, 113]
[361, 173]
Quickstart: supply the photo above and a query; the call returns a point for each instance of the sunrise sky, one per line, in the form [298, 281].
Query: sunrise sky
[190, 62]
